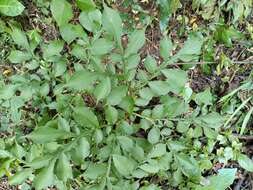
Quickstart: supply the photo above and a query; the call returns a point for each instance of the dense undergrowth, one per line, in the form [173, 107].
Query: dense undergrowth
[126, 94]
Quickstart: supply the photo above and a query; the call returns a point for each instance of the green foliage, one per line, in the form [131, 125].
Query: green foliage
[90, 112]
[11, 7]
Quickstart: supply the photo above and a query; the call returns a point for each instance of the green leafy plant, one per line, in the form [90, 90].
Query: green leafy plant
[88, 112]
[11, 7]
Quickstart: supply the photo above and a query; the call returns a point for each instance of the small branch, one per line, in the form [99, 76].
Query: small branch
[244, 137]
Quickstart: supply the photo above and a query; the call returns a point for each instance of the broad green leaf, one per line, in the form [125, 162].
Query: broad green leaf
[81, 151]
[95, 170]
[213, 120]
[86, 5]
[63, 124]
[5, 154]
[246, 120]
[101, 46]
[7, 92]
[159, 87]
[111, 115]
[136, 41]
[19, 38]
[11, 7]
[124, 165]
[127, 104]
[158, 112]
[167, 7]
[150, 167]
[20, 177]
[166, 47]
[133, 61]
[85, 117]
[70, 32]
[52, 49]
[222, 181]
[82, 80]
[189, 166]
[183, 126]
[60, 67]
[146, 93]
[63, 168]
[176, 146]
[91, 21]
[83, 147]
[79, 52]
[157, 151]
[98, 136]
[204, 98]
[176, 79]
[192, 48]
[154, 135]
[45, 178]
[40, 162]
[150, 64]
[61, 11]
[17, 56]
[48, 134]
[245, 162]
[116, 95]
[138, 153]
[112, 23]
[18, 151]
[103, 89]
[179, 106]
[125, 142]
